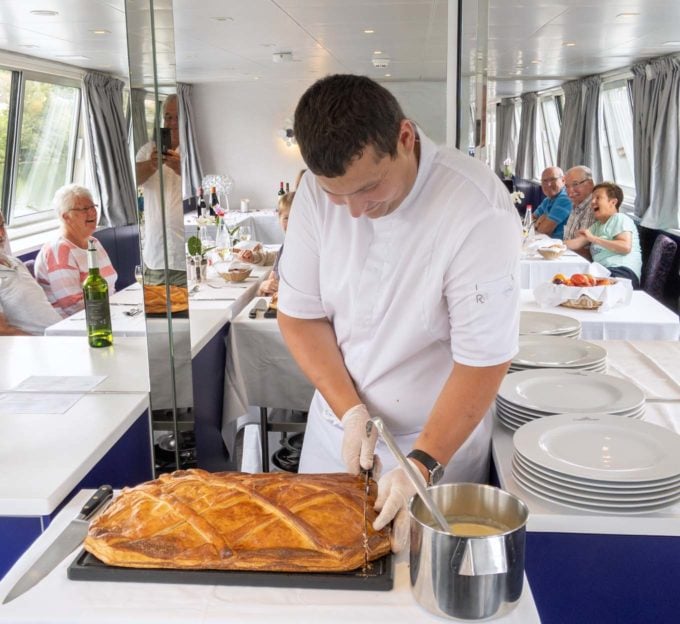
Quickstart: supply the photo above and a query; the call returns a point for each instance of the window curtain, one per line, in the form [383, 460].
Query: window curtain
[526, 144]
[506, 133]
[140, 134]
[579, 136]
[656, 100]
[107, 140]
[191, 163]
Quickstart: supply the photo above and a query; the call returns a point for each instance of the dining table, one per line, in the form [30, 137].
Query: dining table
[535, 269]
[644, 318]
[607, 567]
[264, 224]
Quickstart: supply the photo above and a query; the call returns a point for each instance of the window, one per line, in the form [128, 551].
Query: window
[616, 137]
[46, 147]
[549, 132]
[39, 125]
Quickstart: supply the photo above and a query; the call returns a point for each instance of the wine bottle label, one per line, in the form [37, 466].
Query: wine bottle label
[97, 314]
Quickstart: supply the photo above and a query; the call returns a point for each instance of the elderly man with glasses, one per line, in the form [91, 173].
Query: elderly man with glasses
[579, 184]
[61, 264]
[553, 212]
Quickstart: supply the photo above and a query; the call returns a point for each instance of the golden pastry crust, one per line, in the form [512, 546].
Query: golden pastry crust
[155, 301]
[236, 521]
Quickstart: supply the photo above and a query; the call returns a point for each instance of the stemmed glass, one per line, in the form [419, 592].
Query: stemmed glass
[245, 233]
[139, 274]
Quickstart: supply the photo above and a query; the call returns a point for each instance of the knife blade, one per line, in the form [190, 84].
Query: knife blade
[367, 491]
[67, 541]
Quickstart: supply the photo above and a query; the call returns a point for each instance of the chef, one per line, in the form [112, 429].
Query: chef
[398, 293]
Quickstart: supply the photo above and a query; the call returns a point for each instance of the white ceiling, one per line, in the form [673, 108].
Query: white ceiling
[233, 40]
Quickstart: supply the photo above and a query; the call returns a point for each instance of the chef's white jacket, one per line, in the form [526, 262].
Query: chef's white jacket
[433, 282]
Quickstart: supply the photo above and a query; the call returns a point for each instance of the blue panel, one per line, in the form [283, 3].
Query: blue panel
[208, 400]
[16, 535]
[602, 579]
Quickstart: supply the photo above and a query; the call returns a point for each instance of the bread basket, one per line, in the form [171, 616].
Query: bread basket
[551, 253]
[584, 302]
[234, 274]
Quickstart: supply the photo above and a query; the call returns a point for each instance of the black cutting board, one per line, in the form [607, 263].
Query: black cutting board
[380, 577]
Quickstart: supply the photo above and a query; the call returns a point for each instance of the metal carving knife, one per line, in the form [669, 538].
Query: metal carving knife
[67, 541]
[367, 491]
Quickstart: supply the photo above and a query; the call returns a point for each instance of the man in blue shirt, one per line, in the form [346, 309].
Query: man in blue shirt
[554, 210]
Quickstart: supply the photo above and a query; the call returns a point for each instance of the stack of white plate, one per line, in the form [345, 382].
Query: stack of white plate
[532, 394]
[599, 462]
[558, 352]
[547, 324]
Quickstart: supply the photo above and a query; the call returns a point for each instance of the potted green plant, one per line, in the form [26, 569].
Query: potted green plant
[197, 262]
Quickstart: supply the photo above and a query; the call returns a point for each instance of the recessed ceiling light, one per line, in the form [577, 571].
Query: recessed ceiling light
[223, 19]
[627, 15]
[536, 62]
[569, 44]
[377, 51]
[369, 31]
[28, 45]
[671, 43]
[100, 31]
[42, 13]
[387, 75]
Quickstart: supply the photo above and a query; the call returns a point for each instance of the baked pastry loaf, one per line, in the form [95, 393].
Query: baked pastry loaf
[155, 301]
[237, 521]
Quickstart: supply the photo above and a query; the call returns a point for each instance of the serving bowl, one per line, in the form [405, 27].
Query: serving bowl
[234, 274]
[551, 253]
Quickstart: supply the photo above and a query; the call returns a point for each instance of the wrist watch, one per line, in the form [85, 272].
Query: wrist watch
[435, 469]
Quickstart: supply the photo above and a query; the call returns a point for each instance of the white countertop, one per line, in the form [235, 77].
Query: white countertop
[56, 600]
[44, 456]
[125, 363]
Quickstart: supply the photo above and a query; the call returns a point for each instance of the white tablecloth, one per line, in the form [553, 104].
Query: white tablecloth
[535, 270]
[264, 223]
[260, 371]
[643, 319]
[56, 600]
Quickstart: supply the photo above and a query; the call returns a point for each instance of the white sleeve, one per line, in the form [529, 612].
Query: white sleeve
[299, 286]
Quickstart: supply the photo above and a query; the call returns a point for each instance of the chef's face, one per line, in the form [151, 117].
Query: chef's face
[373, 186]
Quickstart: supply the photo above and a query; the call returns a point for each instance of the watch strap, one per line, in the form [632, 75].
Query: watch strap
[434, 468]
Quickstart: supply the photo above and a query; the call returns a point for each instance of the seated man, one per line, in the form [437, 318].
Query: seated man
[553, 212]
[579, 183]
[24, 308]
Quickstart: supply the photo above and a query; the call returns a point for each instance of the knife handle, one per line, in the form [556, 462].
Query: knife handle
[104, 493]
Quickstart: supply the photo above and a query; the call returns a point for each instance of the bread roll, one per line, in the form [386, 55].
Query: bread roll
[236, 521]
[155, 299]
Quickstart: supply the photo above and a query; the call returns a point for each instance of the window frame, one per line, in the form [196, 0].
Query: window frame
[15, 118]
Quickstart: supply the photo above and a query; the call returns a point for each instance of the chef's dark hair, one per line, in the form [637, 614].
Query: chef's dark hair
[338, 116]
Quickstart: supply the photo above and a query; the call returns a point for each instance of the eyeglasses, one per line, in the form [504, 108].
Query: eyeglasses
[85, 208]
[550, 180]
[573, 185]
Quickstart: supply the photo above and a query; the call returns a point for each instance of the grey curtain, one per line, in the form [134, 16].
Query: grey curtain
[526, 144]
[506, 133]
[107, 140]
[579, 136]
[140, 134]
[191, 163]
[656, 100]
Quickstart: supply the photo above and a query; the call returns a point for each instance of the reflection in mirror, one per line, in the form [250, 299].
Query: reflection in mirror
[159, 182]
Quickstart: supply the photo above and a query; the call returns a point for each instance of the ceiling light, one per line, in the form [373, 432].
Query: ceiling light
[627, 15]
[536, 62]
[387, 75]
[28, 45]
[377, 51]
[569, 44]
[100, 31]
[42, 13]
[72, 57]
[369, 31]
[223, 19]
[671, 43]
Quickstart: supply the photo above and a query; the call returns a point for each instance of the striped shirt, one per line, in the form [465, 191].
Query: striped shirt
[61, 269]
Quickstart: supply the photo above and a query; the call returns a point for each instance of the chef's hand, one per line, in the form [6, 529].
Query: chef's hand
[394, 492]
[357, 445]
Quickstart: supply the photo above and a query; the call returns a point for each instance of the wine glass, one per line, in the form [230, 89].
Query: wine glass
[139, 274]
[245, 233]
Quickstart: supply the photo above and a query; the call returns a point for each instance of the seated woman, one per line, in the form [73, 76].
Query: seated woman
[613, 238]
[61, 265]
[270, 285]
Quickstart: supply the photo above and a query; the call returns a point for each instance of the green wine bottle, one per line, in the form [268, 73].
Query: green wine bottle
[96, 296]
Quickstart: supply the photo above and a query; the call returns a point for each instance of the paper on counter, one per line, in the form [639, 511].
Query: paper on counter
[59, 384]
[36, 403]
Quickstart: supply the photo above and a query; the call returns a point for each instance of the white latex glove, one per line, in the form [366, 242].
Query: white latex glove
[394, 492]
[357, 447]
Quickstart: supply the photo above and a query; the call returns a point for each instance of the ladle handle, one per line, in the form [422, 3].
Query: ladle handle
[410, 471]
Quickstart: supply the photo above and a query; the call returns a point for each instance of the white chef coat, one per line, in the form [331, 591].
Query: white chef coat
[153, 217]
[407, 294]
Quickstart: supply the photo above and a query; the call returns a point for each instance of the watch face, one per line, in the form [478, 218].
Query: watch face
[436, 474]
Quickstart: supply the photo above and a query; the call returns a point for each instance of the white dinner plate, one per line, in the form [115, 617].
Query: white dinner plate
[595, 368]
[519, 410]
[559, 391]
[557, 351]
[605, 487]
[584, 506]
[547, 323]
[600, 447]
